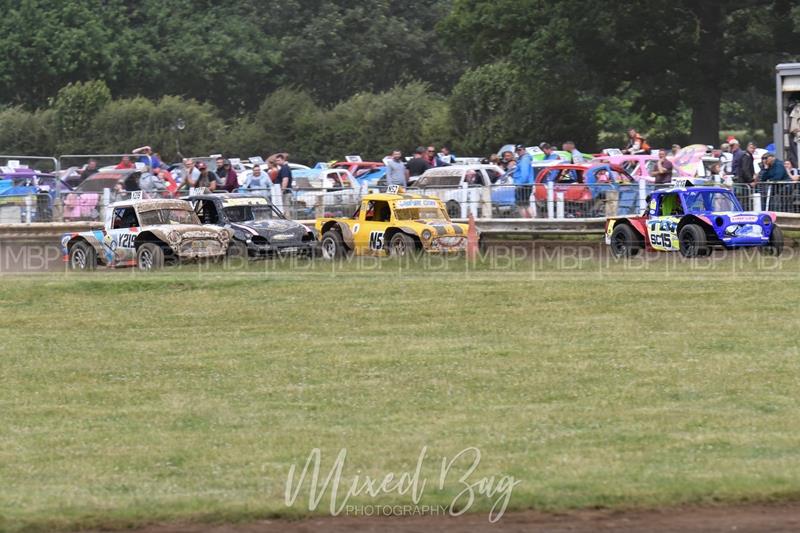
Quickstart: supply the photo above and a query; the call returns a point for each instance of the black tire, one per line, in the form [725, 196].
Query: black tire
[625, 242]
[775, 245]
[401, 245]
[149, 256]
[694, 243]
[82, 256]
[332, 246]
[453, 209]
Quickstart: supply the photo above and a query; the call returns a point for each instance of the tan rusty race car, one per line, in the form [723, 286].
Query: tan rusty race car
[147, 234]
[393, 224]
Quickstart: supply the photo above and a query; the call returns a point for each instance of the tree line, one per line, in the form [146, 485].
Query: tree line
[322, 79]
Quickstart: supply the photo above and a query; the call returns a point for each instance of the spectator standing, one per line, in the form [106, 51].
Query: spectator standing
[675, 149]
[726, 159]
[745, 172]
[418, 164]
[663, 170]
[636, 144]
[523, 181]
[188, 173]
[773, 169]
[507, 160]
[445, 157]
[736, 158]
[125, 163]
[430, 156]
[793, 173]
[258, 180]
[284, 172]
[272, 171]
[226, 176]
[396, 171]
[549, 153]
[577, 156]
[207, 179]
[90, 169]
[148, 157]
[151, 183]
[772, 174]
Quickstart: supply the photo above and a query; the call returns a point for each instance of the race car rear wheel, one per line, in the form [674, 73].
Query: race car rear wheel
[82, 256]
[775, 245]
[693, 241]
[625, 242]
[401, 245]
[150, 256]
[332, 245]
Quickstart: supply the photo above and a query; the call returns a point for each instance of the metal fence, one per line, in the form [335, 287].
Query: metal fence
[540, 201]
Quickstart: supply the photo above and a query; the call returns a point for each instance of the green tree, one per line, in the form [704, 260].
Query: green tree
[663, 55]
[74, 109]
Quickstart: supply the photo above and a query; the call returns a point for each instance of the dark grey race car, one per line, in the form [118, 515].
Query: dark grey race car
[259, 228]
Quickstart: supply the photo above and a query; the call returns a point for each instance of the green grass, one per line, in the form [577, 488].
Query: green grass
[186, 395]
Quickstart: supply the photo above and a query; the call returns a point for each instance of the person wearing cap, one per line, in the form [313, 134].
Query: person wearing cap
[736, 158]
[772, 169]
[523, 181]
[226, 176]
[773, 173]
[206, 179]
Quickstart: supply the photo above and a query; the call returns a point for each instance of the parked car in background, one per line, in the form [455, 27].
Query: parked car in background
[587, 187]
[447, 184]
[334, 189]
[85, 201]
[362, 171]
[20, 182]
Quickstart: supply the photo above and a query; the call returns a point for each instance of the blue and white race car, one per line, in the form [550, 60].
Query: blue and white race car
[693, 220]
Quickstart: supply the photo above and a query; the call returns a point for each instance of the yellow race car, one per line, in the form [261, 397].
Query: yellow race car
[392, 223]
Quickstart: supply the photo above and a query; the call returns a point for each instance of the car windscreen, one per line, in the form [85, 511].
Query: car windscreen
[711, 201]
[420, 213]
[250, 213]
[168, 216]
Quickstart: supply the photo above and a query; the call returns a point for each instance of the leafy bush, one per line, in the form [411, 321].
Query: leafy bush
[128, 123]
[27, 132]
[75, 107]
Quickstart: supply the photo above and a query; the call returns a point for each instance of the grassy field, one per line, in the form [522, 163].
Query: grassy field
[187, 394]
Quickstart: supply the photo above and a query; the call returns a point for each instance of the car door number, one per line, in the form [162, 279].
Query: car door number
[661, 239]
[376, 240]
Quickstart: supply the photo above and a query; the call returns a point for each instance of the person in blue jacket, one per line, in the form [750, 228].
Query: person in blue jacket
[523, 181]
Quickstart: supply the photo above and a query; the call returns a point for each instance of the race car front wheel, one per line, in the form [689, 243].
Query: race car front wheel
[332, 245]
[693, 241]
[82, 257]
[624, 241]
[401, 245]
[150, 256]
[775, 245]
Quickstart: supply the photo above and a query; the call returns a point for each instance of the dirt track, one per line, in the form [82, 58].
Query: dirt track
[742, 518]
